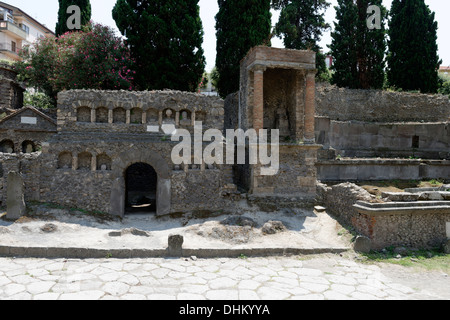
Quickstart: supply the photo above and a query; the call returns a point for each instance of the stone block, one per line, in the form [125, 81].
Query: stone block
[446, 246]
[362, 244]
[175, 245]
[15, 201]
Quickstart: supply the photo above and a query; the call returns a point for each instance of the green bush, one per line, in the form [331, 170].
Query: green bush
[445, 88]
[38, 100]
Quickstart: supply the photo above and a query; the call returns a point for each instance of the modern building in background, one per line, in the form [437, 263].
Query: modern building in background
[18, 29]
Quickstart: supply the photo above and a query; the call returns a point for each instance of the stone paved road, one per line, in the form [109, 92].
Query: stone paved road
[279, 278]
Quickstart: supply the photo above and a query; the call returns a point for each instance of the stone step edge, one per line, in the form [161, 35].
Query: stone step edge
[92, 253]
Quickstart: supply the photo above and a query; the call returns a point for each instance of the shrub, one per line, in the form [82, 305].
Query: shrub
[93, 59]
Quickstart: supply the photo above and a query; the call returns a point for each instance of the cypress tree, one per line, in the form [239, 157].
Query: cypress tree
[413, 61]
[86, 11]
[358, 52]
[240, 25]
[165, 38]
[301, 25]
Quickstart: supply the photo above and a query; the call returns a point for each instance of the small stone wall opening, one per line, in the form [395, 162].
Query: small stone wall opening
[185, 118]
[84, 114]
[141, 182]
[119, 115]
[415, 142]
[169, 116]
[28, 147]
[152, 116]
[7, 146]
[102, 115]
[84, 161]
[136, 116]
[103, 162]
[65, 160]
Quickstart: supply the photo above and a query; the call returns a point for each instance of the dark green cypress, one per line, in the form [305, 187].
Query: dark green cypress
[165, 39]
[86, 12]
[413, 61]
[301, 25]
[358, 52]
[240, 26]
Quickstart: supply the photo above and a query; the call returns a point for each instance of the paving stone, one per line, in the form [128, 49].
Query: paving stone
[83, 295]
[343, 288]
[40, 287]
[222, 295]
[115, 288]
[190, 296]
[233, 279]
[222, 283]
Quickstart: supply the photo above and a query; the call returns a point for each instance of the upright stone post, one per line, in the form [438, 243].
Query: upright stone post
[310, 107]
[15, 201]
[258, 98]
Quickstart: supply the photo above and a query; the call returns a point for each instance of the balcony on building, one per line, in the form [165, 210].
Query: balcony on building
[11, 27]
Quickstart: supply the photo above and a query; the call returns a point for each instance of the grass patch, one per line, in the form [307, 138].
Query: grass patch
[431, 260]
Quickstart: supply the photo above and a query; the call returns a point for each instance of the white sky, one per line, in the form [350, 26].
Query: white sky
[46, 12]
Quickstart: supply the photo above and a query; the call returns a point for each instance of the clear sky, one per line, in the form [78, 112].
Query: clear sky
[46, 12]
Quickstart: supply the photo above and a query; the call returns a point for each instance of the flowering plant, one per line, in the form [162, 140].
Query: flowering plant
[92, 59]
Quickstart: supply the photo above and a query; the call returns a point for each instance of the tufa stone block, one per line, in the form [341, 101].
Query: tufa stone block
[15, 201]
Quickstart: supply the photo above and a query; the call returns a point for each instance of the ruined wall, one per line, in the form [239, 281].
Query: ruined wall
[135, 112]
[386, 140]
[374, 123]
[414, 230]
[11, 92]
[65, 180]
[26, 164]
[101, 133]
[380, 106]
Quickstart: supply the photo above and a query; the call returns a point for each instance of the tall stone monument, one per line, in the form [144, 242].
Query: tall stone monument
[277, 91]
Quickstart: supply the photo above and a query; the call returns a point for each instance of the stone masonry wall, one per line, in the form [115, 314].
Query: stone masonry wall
[134, 112]
[380, 106]
[415, 230]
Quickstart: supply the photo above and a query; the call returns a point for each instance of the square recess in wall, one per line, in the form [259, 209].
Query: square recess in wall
[448, 230]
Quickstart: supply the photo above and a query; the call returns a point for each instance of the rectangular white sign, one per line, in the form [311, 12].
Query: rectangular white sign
[29, 120]
[154, 129]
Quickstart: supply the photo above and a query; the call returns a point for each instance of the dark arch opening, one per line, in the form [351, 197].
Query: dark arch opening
[28, 147]
[141, 182]
[7, 146]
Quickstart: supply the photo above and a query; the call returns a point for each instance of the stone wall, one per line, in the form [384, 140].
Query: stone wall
[136, 112]
[26, 164]
[20, 136]
[418, 229]
[386, 140]
[11, 92]
[296, 176]
[84, 165]
[380, 106]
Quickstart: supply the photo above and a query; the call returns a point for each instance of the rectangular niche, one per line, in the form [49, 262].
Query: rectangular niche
[281, 108]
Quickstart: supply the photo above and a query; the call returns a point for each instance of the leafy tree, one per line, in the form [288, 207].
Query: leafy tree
[93, 59]
[358, 52]
[413, 62]
[165, 38]
[37, 99]
[86, 11]
[240, 25]
[301, 25]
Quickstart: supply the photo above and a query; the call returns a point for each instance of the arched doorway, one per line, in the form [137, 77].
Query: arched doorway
[141, 184]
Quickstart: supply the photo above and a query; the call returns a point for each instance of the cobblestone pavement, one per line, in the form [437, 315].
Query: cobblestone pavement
[318, 278]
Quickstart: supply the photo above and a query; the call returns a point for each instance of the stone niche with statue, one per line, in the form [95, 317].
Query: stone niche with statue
[277, 91]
